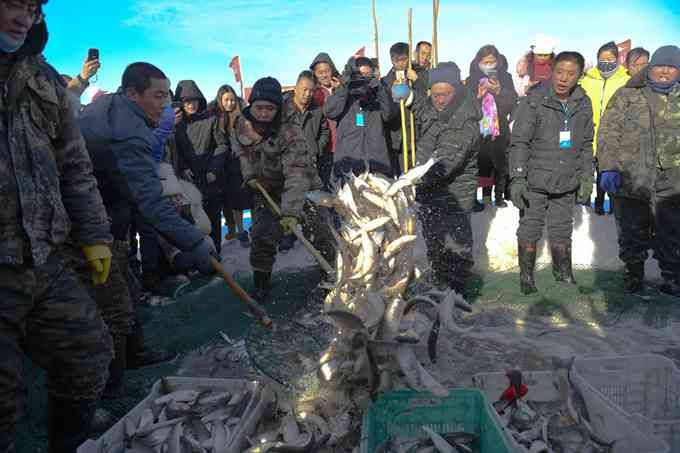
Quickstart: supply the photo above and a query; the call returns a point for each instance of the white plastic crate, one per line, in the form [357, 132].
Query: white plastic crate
[543, 389]
[645, 388]
[262, 396]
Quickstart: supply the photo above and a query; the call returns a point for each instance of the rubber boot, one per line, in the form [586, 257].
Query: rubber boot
[526, 253]
[138, 356]
[671, 284]
[69, 423]
[114, 386]
[263, 283]
[633, 277]
[561, 258]
[500, 199]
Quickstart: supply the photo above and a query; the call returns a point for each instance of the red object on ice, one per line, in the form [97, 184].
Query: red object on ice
[510, 394]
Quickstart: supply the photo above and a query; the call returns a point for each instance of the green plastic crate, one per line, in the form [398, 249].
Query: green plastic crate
[403, 413]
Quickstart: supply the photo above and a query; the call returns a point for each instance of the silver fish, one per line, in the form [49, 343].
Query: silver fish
[417, 377]
[368, 262]
[410, 178]
[345, 320]
[395, 246]
[289, 430]
[439, 442]
[219, 438]
[446, 315]
[321, 198]
[175, 439]
[370, 227]
[378, 183]
[180, 396]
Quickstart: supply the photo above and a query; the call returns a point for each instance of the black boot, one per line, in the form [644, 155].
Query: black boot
[670, 285]
[561, 258]
[138, 356]
[114, 386]
[500, 200]
[263, 284]
[69, 423]
[526, 253]
[633, 277]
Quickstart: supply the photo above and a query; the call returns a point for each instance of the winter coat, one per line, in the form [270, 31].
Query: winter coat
[195, 142]
[303, 138]
[601, 90]
[506, 101]
[535, 151]
[640, 135]
[455, 142]
[120, 138]
[357, 145]
[319, 100]
[47, 189]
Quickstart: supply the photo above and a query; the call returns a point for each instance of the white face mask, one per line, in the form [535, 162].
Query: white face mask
[486, 68]
[8, 44]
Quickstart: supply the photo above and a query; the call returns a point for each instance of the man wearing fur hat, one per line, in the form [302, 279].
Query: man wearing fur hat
[48, 196]
[639, 158]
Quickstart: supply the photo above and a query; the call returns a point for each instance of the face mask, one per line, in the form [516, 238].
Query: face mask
[606, 68]
[486, 68]
[9, 45]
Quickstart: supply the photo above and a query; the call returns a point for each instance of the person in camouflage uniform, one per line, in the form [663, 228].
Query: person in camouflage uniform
[639, 156]
[447, 128]
[48, 195]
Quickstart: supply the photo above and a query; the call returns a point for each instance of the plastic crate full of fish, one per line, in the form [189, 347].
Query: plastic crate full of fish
[644, 388]
[406, 420]
[546, 411]
[189, 413]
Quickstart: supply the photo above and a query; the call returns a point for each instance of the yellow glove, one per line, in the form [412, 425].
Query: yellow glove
[99, 259]
[288, 224]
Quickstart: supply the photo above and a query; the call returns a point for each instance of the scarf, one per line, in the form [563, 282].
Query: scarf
[542, 71]
[489, 126]
[662, 88]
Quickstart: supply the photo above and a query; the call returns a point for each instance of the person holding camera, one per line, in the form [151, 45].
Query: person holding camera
[362, 107]
[490, 80]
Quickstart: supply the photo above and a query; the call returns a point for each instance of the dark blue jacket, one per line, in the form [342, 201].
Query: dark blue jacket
[120, 140]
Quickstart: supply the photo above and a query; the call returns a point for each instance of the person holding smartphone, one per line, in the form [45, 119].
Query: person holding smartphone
[495, 90]
[81, 82]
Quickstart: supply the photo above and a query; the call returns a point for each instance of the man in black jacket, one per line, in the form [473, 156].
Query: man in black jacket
[551, 166]
[448, 131]
[361, 106]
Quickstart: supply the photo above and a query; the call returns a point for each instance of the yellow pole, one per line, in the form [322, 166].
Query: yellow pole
[410, 66]
[404, 139]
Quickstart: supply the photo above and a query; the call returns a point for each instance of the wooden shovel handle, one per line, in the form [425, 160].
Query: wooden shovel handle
[252, 306]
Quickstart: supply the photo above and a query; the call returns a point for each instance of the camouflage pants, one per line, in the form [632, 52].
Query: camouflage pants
[448, 236]
[113, 297]
[641, 228]
[46, 313]
[558, 210]
[266, 233]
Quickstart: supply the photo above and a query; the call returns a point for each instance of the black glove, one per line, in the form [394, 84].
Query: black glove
[374, 83]
[519, 193]
[202, 255]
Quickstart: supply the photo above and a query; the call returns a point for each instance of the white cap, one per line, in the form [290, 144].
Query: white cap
[544, 44]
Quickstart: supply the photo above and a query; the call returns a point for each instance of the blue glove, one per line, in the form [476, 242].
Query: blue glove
[202, 256]
[400, 91]
[610, 181]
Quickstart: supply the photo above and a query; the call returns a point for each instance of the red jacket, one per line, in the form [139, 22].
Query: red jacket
[318, 100]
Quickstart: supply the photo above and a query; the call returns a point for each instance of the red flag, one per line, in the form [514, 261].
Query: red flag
[624, 48]
[360, 53]
[235, 66]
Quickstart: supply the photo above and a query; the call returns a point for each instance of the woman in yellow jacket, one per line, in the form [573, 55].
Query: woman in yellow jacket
[600, 83]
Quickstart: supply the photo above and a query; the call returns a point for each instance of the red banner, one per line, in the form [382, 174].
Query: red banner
[235, 66]
[624, 48]
[360, 53]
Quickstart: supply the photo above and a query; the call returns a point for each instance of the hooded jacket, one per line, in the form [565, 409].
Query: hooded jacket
[535, 151]
[195, 141]
[48, 192]
[454, 141]
[120, 138]
[634, 141]
[358, 145]
[506, 101]
[321, 94]
[601, 90]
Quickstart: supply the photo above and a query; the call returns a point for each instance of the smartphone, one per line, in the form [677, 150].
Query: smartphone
[93, 54]
[493, 75]
[177, 104]
[401, 76]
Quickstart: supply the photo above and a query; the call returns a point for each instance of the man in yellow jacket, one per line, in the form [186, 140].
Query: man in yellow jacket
[600, 84]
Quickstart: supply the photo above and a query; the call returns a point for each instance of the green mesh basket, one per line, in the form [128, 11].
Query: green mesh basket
[403, 413]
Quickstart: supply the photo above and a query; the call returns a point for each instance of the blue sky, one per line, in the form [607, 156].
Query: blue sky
[280, 38]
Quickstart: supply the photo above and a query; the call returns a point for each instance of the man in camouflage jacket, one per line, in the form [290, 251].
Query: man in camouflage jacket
[48, 195]
[639, 155]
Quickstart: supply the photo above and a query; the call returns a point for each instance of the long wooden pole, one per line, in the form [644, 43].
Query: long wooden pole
[435, 46]
[277, 210]
[253, 307]
[410, 66]
[375, 36]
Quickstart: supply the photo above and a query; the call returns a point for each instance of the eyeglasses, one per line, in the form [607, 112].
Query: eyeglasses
[31, 9]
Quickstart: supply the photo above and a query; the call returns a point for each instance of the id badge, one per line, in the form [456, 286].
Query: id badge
[360, 120]
[565, 139]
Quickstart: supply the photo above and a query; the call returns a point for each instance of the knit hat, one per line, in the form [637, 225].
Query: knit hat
[447, 72]
[666, 56]
[611, 47]
[543, 44]
[267, 89]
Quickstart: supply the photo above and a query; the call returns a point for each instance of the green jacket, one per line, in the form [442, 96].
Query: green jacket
[640, 135]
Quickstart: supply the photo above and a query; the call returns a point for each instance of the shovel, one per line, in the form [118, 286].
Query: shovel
[257, 311]
[275, 208]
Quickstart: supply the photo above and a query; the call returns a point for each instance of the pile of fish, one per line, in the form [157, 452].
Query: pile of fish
[445, 443]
